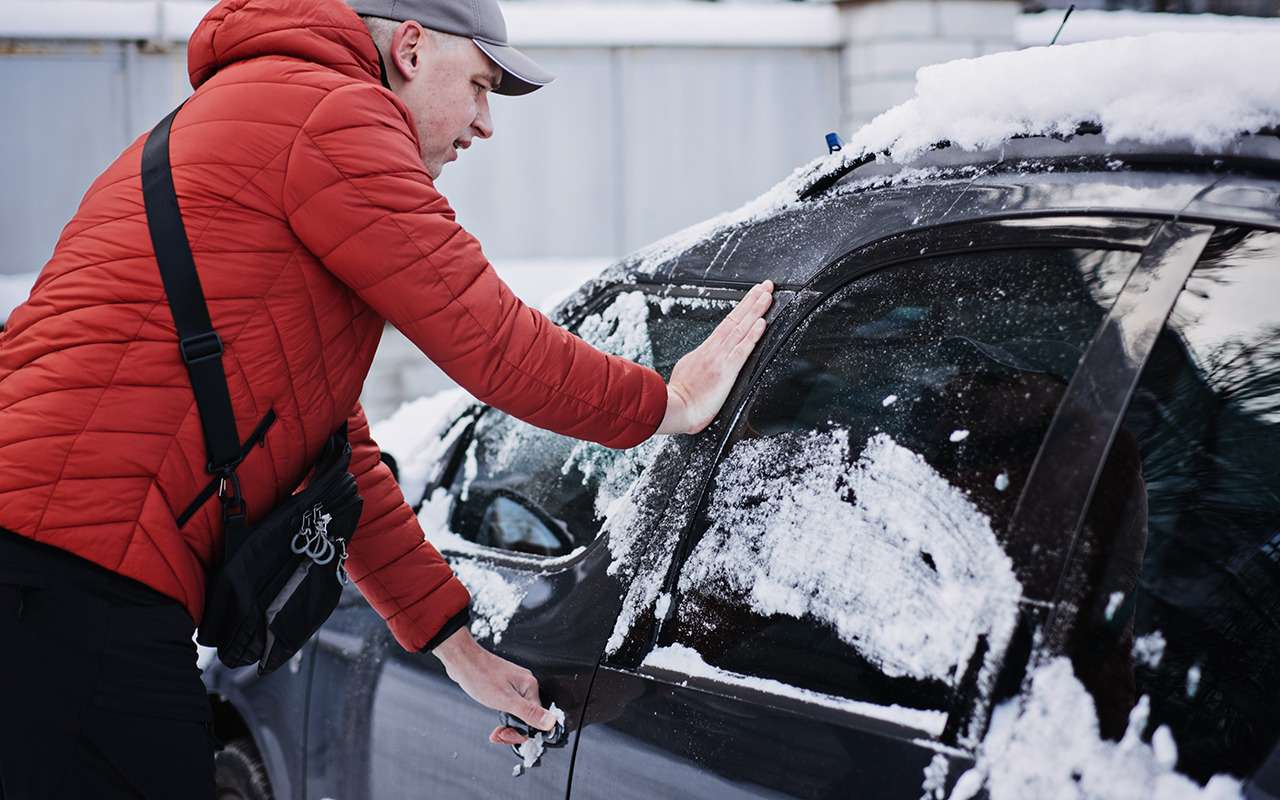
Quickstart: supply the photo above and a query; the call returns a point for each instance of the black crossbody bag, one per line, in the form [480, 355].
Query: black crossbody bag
[279, 579]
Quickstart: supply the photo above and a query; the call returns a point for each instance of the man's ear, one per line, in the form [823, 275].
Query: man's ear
[406, 44]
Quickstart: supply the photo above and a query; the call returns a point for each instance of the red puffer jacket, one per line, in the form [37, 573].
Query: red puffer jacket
[312, 221]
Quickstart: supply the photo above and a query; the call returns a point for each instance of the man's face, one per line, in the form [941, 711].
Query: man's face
[445, 81]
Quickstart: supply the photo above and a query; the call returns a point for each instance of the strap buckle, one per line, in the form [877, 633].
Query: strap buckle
[233, 505]
[200, 347]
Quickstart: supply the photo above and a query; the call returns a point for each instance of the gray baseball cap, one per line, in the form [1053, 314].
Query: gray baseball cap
[480, 21]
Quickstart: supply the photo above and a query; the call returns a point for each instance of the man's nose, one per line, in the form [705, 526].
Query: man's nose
[483, 123]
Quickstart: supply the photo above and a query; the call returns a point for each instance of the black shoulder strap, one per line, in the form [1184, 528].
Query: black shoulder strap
[198, 343]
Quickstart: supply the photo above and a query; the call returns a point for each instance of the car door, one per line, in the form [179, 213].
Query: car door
[843, 598]
[517, 512]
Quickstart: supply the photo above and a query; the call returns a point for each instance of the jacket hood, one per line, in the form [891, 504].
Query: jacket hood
[324, 32]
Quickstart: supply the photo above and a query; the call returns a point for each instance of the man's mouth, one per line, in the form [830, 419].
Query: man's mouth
[458, 144]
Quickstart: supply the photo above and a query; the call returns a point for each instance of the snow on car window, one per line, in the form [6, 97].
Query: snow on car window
[572, 481]
[642, 531]
[621, 329]
[886, 552]
[1047, 744]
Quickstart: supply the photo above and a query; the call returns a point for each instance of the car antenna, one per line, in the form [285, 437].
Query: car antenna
[1065, 17]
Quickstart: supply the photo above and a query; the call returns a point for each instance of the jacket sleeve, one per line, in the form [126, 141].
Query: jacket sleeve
[359, 198]
[403, 577]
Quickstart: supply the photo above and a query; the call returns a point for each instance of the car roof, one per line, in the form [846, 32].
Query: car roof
[792, 241]
[1165, 126]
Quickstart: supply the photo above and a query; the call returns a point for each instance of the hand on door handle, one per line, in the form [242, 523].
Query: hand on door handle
[496, 683]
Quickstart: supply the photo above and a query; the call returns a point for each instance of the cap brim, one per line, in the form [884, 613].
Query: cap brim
[520, 74]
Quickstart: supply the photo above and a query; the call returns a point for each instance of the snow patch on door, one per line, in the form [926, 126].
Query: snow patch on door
[1047, 744]
[935, 778]
[494, 599]
[886, 552]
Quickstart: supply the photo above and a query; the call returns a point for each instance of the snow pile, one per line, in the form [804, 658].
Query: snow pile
[1201, 88]
[687, 661]
[419, 433]
[910, 585]
[1047, 745]
[494, 600]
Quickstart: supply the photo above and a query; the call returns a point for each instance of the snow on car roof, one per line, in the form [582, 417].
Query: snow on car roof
[1205, 89]
[1177, 89]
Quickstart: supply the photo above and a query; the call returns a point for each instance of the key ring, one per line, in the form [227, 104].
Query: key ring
[342, 562]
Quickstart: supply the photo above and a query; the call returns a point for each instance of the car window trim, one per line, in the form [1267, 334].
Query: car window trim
[1121, 346]
[846, 718]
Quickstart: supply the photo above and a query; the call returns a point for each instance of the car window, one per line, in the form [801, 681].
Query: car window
[529, 490]
[851, 541]
[1181, 545]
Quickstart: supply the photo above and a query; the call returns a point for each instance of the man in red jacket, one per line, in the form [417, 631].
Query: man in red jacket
[304, 172]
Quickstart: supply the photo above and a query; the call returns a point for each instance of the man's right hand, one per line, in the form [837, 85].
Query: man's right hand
[493, 681]
[701, 380]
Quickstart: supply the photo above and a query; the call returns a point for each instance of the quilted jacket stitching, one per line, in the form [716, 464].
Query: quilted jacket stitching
[53, 486]
[441, 280]
[226, 201]
[319, 334]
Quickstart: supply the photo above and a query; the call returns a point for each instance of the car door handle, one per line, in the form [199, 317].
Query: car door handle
[530, 753]
[556, 737]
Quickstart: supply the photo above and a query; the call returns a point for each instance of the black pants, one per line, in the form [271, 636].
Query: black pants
[100, 696]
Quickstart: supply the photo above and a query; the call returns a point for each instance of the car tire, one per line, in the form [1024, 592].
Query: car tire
[239, 774]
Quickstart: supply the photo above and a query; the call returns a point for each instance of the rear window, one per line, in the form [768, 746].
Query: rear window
[1181, 546]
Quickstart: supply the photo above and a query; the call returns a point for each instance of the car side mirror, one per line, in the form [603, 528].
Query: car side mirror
[510, 522]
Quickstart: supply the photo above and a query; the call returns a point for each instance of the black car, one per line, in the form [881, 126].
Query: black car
[1015, 412]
